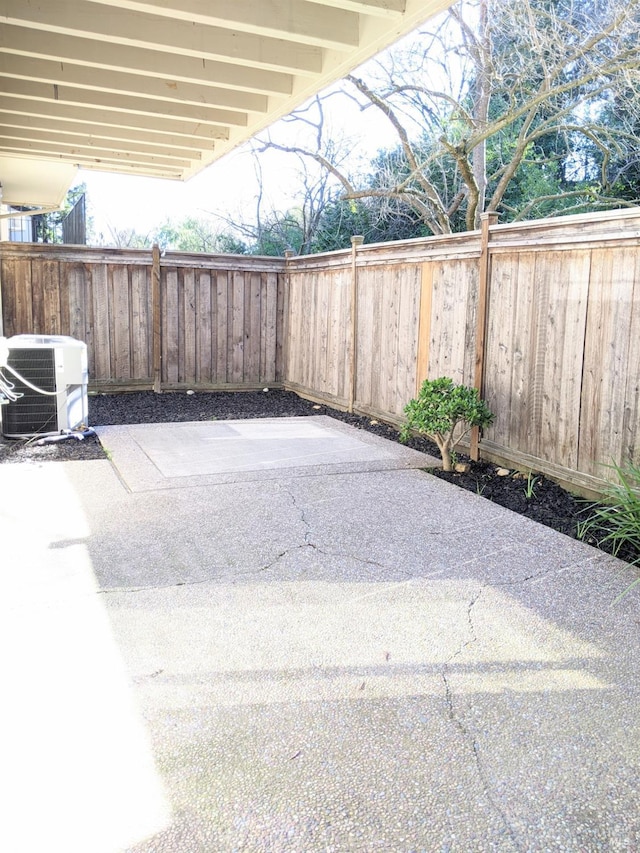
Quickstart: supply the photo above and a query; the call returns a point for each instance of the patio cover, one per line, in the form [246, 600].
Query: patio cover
[164, 87]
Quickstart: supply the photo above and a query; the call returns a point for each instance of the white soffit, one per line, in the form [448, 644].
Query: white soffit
[36, 183]
[164, 87]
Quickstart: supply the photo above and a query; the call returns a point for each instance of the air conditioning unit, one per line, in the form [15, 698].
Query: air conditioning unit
[54, 363]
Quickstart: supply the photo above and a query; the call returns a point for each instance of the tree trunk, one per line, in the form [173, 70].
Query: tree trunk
[481, 109]
[445, 453]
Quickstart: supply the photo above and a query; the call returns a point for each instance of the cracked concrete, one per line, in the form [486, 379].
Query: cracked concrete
[363, 660]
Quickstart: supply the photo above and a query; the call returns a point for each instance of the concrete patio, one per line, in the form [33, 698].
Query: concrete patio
[315, 646]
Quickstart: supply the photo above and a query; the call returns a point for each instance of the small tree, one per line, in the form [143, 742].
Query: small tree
[439, 408]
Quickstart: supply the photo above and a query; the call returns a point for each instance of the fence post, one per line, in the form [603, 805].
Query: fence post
[484, 277]
[356, 240]
[156, 319]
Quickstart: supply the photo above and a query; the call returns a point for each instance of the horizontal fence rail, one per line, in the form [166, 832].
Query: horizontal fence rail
[544, 317]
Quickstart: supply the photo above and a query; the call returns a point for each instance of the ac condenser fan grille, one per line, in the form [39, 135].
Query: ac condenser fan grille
[32, 413]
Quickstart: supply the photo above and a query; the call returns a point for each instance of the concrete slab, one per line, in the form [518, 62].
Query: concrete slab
[151, 456]
[369, 661]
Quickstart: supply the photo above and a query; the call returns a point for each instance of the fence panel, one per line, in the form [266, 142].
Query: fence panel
[318, 341]
[453, 319]
[562, 370]
[222, 317]
[609, 416]
[387, 337]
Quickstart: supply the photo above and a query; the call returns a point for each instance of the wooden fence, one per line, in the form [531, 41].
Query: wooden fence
[559, 335]
[543, 316]
[217, 320]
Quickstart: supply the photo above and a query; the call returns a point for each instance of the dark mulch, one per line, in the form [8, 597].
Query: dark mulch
[543, 500]
[538, 498]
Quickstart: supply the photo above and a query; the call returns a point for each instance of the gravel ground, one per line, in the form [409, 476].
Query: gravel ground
[546, 502]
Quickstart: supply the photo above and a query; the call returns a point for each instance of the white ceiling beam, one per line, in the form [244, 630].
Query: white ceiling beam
[152, 63]
[59, 111]
[307, 23]
[27, 136]
[79, 153]
[78, 17]
[120, 103]
[376, 8]
[135, 171]
[108, 158]
[45, 70]
[29, 124]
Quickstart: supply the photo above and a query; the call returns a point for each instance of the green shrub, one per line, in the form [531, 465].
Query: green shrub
[439, 408]
[616, 523]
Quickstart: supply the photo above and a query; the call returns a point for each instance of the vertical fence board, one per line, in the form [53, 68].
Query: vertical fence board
[90, 323]
[180, 324]
[236, 327]
[75, 288]
[294, 345]
[409, 323]
[170, 330]
[370, 326]
[141, 327]
[471, 280]
[37, 321]
[191, 321]
[342, 350]
[498, 344]
[121, 321]
[222, 320]
[630, 395]
[50, 320]
[63, 296]
[375, 285]
[310, 348]
[304, 338]
[283, 319]
[101, 322]
[268, 355]
[364, 340]
[424, 325]
[204, 343]
[253, 327]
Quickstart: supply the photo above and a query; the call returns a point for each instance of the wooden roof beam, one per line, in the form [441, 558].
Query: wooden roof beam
[306, 23]
[48, 71]
[91, 20]
[375, 8]
[110, 162]
[26, 137]
[91, 99]
[81, 152]
[152, 63]
[12, 123]
[110, 118]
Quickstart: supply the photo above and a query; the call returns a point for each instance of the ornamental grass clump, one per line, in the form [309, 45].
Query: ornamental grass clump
[616, 523]
[439, 409]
